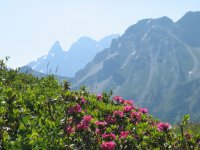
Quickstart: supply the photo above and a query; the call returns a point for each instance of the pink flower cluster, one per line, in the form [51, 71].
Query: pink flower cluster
[118, 113]
[143, 110]
[128, 102]
[128, 109]
[76, 109]
[83, 101]
[70, 130]
[99, 97]
[163, 126]
[87, 119]
[100, 123]
[83, 125]
[108, 145]
[124, 134]
[119, 99]
[101, 126]
[135, 117]
[109, 137]
[114, 120]
[110, 120]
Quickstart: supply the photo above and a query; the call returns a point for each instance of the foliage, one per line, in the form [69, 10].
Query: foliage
[43, 114]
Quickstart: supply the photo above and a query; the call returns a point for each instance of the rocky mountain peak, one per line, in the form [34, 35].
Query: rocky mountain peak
[153, 62]
[194, 16]
[189, 25]
[56, 48]
[67, 63]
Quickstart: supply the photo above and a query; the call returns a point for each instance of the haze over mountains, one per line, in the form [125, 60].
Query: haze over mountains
[67, 63]
[156, 62]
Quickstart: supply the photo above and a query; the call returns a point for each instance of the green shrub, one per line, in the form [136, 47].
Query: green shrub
[44, 114]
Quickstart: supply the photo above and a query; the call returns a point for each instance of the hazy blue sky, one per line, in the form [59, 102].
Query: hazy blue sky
[28, 28]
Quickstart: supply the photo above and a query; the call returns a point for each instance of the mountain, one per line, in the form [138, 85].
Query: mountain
[29, 70]
[50, 63]
[67, 63]
[189, 25]
[156, 62]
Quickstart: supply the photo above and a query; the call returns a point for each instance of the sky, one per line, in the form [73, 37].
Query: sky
[28, 28]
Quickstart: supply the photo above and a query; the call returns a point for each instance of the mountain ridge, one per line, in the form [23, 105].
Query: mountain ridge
[150, 62]
[66, 63]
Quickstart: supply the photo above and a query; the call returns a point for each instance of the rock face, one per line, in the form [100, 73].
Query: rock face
[156, 62]
[67, 63]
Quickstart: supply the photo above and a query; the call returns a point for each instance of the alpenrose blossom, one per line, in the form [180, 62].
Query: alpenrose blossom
[128, 108]
[101, 123]
[118, 113]
[76, 109]
[109, 136]
[87, 118]
[97, 131]
[143, 110]
[110, 120]
[135, 117]
[82, 126]
[118, 99]
[124, 134]
[99, 96]
[83, 101]
[163, 126]
[108, 145]
[128, 102]
[70, 130]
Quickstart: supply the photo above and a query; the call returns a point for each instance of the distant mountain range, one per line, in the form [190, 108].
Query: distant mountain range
[29, 70]
[156, 62]
[67, 63]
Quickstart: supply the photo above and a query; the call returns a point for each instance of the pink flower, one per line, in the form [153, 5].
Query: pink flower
[82, 126]
[136, 117]
[163, 126]
[121, 100]
[143, 110]
[100, 123]
[76, 109]
[128, 108]
[108, 146]
[83, 101]
[71, 110]
[118, 99]
[87, 119]
[109, 136]
[110, 120]
[118, 113]
[124, 134]
[97, 131]
[99, 97]
[70, 130]
[128, 102]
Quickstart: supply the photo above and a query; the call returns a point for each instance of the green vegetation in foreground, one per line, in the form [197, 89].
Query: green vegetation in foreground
[194, 128]
[42, 114]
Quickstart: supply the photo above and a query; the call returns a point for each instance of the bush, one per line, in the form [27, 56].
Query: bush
[44, 114]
